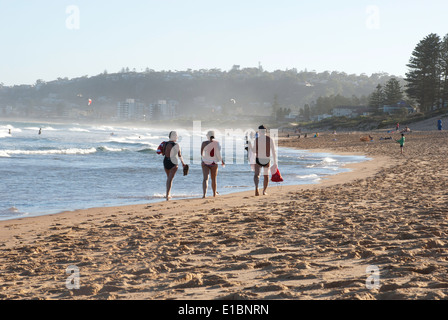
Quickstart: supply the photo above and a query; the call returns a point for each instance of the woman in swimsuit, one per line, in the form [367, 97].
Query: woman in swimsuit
[211, 155]
[170, 161]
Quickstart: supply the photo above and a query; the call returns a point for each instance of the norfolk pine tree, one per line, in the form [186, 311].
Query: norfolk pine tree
[392, 92]
[444, 71]
[423, 78]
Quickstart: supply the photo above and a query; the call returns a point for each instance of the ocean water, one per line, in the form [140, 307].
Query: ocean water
[77, 166]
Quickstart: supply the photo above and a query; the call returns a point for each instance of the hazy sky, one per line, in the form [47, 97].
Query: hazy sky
[47, 39]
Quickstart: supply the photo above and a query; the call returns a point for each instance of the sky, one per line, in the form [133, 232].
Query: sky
[50, 39]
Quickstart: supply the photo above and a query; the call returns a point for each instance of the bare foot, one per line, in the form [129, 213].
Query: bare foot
[257, 193]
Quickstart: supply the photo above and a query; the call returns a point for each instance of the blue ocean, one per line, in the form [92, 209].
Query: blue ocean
[49, 168]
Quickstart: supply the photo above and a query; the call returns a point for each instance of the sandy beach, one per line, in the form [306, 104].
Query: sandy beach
[297, 242]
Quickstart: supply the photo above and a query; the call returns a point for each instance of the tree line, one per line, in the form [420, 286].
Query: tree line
[425, 84]
[427, 79]
[251, 88]
[389, 94]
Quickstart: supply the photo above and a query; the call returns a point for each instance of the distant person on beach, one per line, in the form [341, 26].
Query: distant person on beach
[439, 124]
[40, 130]
[263, 148]
[401, 142]
[172, 154]
[406, 129]
[397, 127]
[211, 155]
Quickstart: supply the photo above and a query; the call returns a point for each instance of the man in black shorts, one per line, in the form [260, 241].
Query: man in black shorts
[263, 147]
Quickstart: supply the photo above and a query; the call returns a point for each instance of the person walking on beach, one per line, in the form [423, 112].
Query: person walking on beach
[172, 154]
[211, 155]
[439, 124]
[263, 148]
[401, 142]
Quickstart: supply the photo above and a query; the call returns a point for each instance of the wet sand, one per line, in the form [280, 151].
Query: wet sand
[297, 242]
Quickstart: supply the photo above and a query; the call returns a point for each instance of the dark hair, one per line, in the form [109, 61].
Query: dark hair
[212, 137]
[261, 127]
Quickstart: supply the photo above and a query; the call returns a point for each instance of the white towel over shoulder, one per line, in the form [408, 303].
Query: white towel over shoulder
[212, 153]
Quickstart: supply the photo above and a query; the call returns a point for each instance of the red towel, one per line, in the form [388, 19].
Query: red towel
[277, 177]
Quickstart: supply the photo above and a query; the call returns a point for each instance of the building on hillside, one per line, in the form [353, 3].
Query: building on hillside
[399, 107]
[321, 117]
[131, 110]
[351, 111]
[163, 109]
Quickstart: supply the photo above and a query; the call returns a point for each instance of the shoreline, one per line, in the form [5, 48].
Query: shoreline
[41, 222]
[349, 166]
[357, 171]
[304, 242]
[38, 214]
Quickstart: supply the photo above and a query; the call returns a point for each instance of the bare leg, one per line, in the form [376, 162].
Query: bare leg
[265, 184]
[169, 181]
[205, 174]
[257, 178]
[214, 175]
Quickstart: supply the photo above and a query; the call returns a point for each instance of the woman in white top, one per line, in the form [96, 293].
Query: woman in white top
[211, 155]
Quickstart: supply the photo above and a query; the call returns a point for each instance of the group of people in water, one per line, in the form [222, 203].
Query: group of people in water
[259, 154]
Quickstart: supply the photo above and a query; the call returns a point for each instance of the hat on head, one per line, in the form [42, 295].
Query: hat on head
[210, 134]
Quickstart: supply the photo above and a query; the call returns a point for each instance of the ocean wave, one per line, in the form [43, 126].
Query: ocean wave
[308, 176]
[147, 150]
[106, 128]
[127, 139]
[133, 141]
[173, 196]
[7, 128]
[78, 130]
[109, 149]
[43, 128]
[11, 212]
[69, 151]
[7, 153]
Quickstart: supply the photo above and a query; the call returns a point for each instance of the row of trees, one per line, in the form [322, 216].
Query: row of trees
[389, 95]
[426, 83]
[427, 79]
